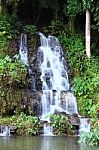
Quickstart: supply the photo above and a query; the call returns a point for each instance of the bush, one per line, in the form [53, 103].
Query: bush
[55, 28]
[5, 121]
[61, 124]
[91, 138]
[8, 33]
[26, 125]
[12, 74]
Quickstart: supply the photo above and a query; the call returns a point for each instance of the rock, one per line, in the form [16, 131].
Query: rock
[31, 101]
[74, 119]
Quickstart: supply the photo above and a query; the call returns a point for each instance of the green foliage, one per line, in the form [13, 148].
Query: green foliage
[7, 33]
[5, 30]
[5, 121]
[11, 71]
[30, 29]
[61, 124]
[94, 109]
[86, 86]
[95, 12]
[32, 37]
[7, 24]
[74, 49]
[87, 4]
[55, 28]
[26, 125]
[91, 138]
[11, 75]
[72, 8]
[84, 73]
[4, 35]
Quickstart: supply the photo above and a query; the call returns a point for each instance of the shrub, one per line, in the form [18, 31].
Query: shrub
[61, 124]
[12, 74]
[26, 125]
[91, 138]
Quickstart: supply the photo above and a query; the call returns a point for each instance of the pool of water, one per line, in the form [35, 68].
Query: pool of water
[42, 143]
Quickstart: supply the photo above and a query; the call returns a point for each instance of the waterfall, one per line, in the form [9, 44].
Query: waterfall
[54, 79]
[5, 131]
[56, 92]
[23, 51]
[84, 125]
[23, 54]
[48, 130]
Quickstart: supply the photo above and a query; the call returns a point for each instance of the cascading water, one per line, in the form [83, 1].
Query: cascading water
[54, 78]
[23, 51]
[84, 125]
[56, 95]
[5, 131]
[23, 54]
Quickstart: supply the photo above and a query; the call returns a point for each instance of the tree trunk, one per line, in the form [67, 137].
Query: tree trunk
[88, 53]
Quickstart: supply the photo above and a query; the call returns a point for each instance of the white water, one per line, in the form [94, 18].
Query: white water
[85, 125]
[48, 130]
[23, 54]
[23, 51]
[5, 131]
[54, 78]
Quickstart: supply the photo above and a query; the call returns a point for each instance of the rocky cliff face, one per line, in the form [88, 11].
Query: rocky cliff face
[31, 99]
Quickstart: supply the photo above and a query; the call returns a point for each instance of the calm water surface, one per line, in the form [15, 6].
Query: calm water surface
[42, 143]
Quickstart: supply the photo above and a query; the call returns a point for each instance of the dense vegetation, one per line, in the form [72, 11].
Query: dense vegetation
[24, 125]
[24, 15]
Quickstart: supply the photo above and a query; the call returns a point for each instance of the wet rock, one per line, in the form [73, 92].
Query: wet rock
[35, 62]
[31, 102]
[74, 119]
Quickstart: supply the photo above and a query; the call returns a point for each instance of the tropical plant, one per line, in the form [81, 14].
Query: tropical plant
[5, 121]
[26, 125]
[11, 71]
[12, 76]
[91, 138]
[61, 124]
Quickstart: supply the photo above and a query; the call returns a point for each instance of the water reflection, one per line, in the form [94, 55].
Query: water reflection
[59, 143]
[42, 143]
